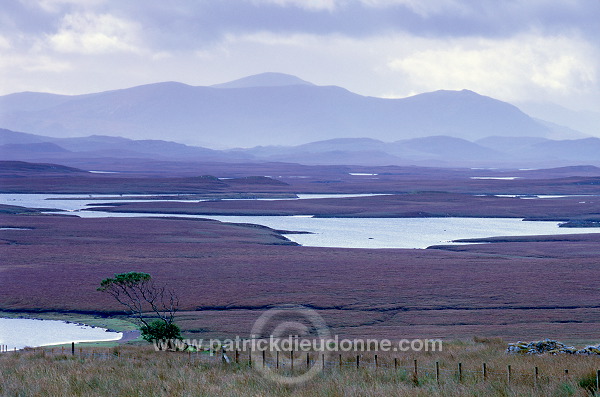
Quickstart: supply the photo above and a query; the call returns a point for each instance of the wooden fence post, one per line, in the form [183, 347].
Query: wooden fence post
[237, 356]
[263, 358]
[277, 359]
[292, 358]
[72, 348]
[437, 372]
[416, 373]
[484, 372]
[460, 374]
[508, 374]
[307, 361]
[357, 361]
[376, 363]
[535, 377]
[395, 363]
[323, 361]
[340, 361]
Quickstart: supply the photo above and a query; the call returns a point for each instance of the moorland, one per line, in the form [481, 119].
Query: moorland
[227, 274]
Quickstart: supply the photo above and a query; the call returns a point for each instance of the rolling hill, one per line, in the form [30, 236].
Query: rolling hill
[101, 152]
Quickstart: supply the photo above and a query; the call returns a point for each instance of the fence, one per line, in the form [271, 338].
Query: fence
[72, 350]
[297, 361]
[416, 371]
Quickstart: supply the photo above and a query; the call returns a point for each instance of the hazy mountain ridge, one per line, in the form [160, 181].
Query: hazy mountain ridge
[434, 150]
[588, 122]
[24, 146]
[15, 168]
[266, 109]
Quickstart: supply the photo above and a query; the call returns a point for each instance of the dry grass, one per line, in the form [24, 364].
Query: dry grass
[140, 371]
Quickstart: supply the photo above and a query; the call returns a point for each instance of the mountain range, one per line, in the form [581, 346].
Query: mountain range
[265, 109]
[281, 118]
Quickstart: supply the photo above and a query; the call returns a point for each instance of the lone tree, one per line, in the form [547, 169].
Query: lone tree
[144, 299]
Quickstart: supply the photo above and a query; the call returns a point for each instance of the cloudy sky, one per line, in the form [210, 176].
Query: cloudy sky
[514, 50]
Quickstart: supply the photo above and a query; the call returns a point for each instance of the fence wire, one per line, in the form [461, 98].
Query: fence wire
[414, 369]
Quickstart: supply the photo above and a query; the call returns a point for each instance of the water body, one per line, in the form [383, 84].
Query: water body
[381, 232]
[499, 178]
[19, 333]
[397, 232]
[340, 232]
[77, 202]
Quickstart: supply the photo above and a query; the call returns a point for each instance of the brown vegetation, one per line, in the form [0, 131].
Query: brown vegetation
[227, 275]
[156, 177]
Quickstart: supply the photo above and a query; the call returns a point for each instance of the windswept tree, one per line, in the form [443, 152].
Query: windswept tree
[152, 305]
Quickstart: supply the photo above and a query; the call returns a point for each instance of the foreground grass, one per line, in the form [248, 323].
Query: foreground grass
[140, 371]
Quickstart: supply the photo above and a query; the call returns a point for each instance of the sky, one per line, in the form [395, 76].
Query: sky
[513, 50]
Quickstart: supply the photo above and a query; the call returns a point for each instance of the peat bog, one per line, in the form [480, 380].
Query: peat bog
[227, 274]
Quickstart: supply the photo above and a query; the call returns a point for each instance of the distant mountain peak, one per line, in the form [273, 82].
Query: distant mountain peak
[269, 79]
[456, 93]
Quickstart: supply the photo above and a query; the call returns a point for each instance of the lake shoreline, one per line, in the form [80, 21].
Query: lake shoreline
[22, 332]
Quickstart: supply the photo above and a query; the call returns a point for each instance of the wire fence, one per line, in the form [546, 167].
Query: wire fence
[414, 371]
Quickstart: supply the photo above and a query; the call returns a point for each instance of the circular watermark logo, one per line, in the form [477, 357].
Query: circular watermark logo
[284, 336]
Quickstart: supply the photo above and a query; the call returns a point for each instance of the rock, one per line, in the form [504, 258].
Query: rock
[589, 350]
[547, 346]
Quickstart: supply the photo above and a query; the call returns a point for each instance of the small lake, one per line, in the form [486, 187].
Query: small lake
[381, 232]
[397, 232]
[19, 333]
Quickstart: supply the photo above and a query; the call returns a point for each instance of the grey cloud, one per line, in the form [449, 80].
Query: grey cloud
[18, 17]
[191, 23]
[210, 20]
[183, 39]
